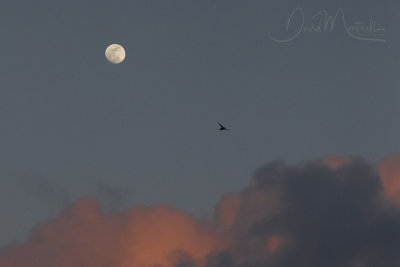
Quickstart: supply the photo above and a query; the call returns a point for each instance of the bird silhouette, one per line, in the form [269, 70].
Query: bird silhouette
[222, 128]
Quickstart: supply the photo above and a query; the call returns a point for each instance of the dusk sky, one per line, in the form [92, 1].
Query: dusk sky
[79, 133]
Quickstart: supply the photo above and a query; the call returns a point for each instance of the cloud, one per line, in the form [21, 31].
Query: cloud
[84, 236]
[335, 162]
[316, 215]
[311, 214]
[389, 170]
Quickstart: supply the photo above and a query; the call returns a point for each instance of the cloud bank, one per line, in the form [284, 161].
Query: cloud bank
[336, 211]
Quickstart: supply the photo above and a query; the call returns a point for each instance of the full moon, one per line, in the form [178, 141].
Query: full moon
[115, 53]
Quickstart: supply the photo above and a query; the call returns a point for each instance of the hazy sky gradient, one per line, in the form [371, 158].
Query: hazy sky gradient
[145, 131]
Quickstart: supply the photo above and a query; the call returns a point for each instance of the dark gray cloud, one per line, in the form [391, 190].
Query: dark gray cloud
[312, 215]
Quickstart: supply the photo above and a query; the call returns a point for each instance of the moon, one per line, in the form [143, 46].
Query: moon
[115, 53]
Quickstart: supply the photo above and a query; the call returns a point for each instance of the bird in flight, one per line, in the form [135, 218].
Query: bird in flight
[222, 128]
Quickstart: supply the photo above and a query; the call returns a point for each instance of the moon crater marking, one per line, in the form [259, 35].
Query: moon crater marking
[115, 53]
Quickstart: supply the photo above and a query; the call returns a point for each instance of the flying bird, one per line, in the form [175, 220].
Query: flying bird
[222, 128]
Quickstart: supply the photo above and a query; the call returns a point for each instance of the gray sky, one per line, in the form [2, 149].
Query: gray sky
[145, 131]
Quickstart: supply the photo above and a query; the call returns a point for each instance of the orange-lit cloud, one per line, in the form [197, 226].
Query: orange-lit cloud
[273, 244]
[227, 211]
[389, 170]
[84, 236]
[335, 162]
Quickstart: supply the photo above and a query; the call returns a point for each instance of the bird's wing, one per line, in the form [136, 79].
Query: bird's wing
[220, 124]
